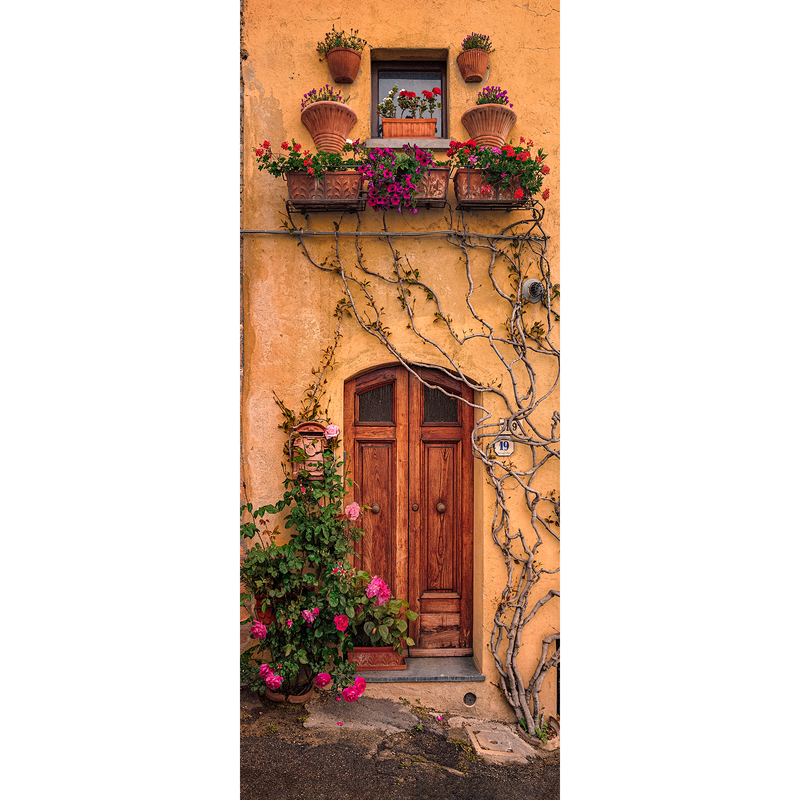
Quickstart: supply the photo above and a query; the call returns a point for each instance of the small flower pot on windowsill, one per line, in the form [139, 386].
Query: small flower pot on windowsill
[408, 128]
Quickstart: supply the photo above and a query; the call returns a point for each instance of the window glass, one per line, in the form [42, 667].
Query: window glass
[411, 81]
[377, 405]
[439, 407]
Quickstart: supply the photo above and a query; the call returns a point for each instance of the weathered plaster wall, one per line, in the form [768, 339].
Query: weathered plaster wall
[288, 303]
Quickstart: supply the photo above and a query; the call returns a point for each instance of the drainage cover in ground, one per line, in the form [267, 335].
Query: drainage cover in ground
[495, 740]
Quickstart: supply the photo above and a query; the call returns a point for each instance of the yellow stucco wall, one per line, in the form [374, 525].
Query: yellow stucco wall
[288, 303]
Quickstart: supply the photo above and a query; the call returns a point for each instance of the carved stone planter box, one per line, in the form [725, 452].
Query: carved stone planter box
[336, 191]
[373, 659]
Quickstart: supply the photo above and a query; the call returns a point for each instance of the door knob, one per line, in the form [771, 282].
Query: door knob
[375, 508]
[440, 508]
[415, 507]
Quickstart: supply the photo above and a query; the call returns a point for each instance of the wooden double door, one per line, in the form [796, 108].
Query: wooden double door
[409, 453]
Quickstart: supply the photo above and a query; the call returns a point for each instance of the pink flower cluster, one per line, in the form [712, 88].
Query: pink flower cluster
[341, 569]
[352, 511]
[352, 693]
[379, 590]
[258, 630]
[309, 615]
[272, 680]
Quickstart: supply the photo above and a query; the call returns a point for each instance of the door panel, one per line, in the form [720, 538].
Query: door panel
[408, 448]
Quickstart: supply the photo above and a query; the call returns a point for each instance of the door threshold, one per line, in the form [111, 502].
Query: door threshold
[450, 669]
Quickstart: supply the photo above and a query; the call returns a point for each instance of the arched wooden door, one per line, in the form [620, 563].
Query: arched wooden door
[408, 449]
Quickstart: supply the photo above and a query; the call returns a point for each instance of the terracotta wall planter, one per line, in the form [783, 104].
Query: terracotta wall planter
[472, 65]
[373, 659]
[344, 63]
[408, 128]
[328, 122]
[489, 123]
[432, 186]
[468, 184]
[289, 698]
[339, 185]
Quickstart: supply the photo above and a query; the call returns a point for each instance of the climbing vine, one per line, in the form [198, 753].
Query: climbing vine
[516, 405]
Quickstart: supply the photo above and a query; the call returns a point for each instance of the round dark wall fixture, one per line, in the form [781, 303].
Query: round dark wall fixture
[470, 699]
[533, 290]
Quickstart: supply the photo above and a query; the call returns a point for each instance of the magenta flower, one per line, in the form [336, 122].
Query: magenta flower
[350, 694]
[264, 671]
[360, 685]
[379, 590]
[331, 432]
[323, 679]
[273, 682]
[341, 621]
[308, 616]
[352, 511]
[288, 623]
[258, 630]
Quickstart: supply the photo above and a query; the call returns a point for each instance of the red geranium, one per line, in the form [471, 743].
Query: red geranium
[545, 194]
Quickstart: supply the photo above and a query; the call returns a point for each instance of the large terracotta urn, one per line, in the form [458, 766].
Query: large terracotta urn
[328, 122]
[489, 123]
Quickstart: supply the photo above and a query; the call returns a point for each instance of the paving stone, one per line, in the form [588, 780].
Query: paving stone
[496, 744]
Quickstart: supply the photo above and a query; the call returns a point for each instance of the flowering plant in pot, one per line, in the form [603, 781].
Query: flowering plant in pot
[319, 176]
[410, 106]
[510, 172]
[327, 117]
[474, 58]
[400, 178]
[307, 633]
[492, 117]
[343, 53]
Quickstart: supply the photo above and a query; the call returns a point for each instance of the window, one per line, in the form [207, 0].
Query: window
[412, 70]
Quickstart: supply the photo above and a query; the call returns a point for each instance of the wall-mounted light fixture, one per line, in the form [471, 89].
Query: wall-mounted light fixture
[533, 290]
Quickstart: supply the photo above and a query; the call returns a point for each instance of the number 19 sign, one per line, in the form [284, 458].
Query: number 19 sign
[503, 447]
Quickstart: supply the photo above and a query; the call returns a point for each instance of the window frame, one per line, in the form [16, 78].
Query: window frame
[410, 65]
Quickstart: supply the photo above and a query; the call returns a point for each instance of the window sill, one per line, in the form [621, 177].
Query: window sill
[396, 144]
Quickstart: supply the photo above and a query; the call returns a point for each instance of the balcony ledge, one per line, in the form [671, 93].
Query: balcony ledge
[396, 144]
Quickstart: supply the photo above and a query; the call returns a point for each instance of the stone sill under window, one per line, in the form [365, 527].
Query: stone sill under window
[396, 144]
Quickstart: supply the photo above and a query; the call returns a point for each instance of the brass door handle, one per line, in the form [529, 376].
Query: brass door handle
[440, 508]
[375, 508]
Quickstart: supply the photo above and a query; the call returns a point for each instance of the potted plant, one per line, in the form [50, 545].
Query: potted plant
[327, 117]
[404, 179]
[319, 181]
[507, 176]
[474, 58]
[491, 119]
[305, 642]
[343, 53]
[394, 127]
[379, 626]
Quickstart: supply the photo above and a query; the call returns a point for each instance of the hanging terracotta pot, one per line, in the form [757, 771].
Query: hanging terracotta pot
[328, 122]
[373, 659]
[489, 123]
[344, 63]
[472, 65]
[408, 128]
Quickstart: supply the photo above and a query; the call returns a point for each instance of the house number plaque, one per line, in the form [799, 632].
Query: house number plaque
[503, 447]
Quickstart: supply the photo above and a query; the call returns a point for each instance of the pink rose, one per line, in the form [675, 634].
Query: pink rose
[350, 694]
[258, 630]
[341, 621]
[360, 685]
[264, 670]
[379, 590]
[273, 682]
[288, 623]
[308, 616]
[331, 432]
[352, 511]
[383, 595]
[322, 680]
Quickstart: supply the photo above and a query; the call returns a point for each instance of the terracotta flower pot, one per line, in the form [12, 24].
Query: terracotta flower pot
[328, 122]
[470, 184]
[489, 123]
[264, 617]
[344, 63]
[290, 698]
[335, 185]
[408, 128]
[472, 64]
[373, 659]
